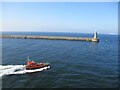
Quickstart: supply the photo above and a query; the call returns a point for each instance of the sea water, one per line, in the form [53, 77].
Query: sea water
[73, 64]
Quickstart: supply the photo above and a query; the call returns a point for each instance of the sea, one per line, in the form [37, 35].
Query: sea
[73, 64]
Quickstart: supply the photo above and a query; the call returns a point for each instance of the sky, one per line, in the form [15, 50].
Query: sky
[81, 17]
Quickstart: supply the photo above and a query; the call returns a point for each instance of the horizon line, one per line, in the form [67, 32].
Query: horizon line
[63, 32]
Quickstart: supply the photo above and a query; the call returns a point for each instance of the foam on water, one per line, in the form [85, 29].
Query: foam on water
[17, 69]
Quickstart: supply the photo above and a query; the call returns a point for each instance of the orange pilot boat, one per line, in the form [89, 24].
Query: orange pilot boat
[33, 65]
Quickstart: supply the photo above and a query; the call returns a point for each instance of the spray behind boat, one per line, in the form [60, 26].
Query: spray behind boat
[22, 69]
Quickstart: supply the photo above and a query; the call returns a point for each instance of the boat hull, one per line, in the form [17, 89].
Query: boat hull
[37, 66]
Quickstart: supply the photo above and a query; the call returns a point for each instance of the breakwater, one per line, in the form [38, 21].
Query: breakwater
[50, 37]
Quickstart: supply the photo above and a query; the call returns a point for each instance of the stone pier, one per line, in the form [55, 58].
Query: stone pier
[94, 39]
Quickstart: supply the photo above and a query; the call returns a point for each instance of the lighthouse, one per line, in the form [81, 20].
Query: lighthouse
[95, 35]
[95, 39]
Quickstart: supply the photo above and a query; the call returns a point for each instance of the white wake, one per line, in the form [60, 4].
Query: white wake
[17, 69]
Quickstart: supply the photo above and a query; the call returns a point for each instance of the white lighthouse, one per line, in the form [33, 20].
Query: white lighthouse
[95, 35]
[95, 39]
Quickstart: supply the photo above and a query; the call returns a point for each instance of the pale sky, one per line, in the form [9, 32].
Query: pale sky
[82, 17]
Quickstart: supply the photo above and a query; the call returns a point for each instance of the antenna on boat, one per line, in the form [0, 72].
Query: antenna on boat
[28, 58]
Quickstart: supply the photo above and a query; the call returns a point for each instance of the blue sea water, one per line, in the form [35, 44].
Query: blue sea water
[73, 64]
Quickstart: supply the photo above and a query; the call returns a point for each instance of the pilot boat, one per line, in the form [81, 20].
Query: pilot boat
[33, 65]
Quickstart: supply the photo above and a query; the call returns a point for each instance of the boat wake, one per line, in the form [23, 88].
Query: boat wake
[17, 69]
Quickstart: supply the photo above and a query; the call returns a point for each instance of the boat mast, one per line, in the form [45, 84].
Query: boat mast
[28, 58]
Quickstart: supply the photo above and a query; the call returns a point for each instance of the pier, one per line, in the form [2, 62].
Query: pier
[93, 39]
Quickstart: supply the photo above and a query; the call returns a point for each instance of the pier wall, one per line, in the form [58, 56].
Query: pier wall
[51, 37]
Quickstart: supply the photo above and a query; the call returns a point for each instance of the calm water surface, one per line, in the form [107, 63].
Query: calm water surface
[73, 63]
